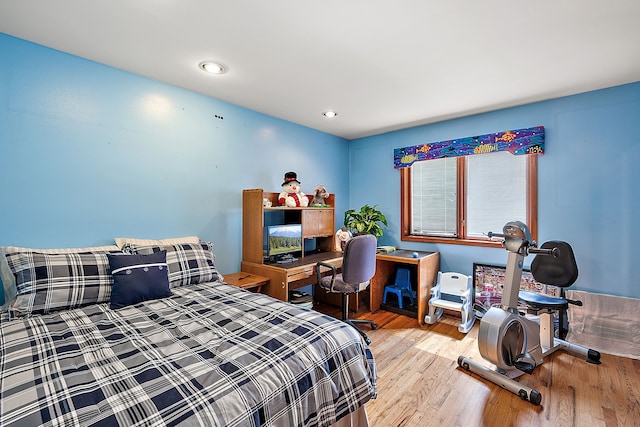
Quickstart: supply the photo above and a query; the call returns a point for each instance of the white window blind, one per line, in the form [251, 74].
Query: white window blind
[434, 198]
[496, 191]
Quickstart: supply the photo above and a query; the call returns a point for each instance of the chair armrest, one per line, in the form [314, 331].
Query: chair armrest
[333, 269]
[435, 291]
[466, 295]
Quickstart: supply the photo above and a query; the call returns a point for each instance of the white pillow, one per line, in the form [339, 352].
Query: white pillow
[122, 241]
[9, 281]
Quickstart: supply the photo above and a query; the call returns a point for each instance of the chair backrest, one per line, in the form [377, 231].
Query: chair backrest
[403, 278]
[561, 271]
[454, 284]
[359, 260]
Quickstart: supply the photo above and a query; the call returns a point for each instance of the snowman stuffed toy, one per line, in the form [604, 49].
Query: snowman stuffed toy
[292, 195]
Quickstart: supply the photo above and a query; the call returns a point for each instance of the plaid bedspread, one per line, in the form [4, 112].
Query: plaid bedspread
[211, 355]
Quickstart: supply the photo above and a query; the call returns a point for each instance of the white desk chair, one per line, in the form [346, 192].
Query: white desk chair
[454, 291]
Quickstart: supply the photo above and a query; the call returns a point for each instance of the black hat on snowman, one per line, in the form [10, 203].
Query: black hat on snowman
[290, 177]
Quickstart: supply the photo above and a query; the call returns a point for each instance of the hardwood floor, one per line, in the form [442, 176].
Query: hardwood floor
[420, 383]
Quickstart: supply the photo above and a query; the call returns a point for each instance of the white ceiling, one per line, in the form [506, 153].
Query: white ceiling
[381, 64]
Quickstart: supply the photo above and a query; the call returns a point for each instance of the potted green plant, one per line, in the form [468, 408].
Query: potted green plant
[365, 221]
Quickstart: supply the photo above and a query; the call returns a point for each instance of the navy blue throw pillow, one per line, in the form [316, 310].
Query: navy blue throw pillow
[138, 278]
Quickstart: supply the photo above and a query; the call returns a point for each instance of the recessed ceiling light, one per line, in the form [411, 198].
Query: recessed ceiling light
[329, 114]
[213, 67]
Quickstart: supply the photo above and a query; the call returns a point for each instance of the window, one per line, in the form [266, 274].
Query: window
[459, 199]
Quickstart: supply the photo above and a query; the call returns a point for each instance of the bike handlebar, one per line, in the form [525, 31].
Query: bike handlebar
[554, 252]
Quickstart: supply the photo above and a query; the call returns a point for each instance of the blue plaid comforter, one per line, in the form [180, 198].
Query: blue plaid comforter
[211, 355]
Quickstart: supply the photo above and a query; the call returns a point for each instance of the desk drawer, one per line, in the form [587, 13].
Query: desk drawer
[305, 272]
[302, 273]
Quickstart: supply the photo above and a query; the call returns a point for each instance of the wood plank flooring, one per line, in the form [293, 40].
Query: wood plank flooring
[420, 383]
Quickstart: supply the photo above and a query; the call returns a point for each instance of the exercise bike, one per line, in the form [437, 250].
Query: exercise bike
[514, 342]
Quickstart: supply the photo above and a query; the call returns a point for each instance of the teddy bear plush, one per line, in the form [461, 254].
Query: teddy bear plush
[342, 236]
[319, 194]
[292, 195]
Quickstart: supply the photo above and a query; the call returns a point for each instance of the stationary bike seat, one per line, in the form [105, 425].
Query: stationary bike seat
[539, 301]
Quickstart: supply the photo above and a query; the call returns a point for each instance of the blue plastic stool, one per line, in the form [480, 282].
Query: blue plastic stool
[401, 287]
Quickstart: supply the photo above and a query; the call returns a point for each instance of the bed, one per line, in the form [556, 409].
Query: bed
[149, 334]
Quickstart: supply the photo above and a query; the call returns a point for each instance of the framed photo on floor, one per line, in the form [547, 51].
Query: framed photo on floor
[488, 281]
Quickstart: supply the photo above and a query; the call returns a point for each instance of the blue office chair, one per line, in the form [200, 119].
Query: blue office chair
[358, 267]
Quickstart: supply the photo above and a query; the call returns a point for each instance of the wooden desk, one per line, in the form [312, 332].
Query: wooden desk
[427, 266]
[246, 280]
[285, 277]
[293, 275]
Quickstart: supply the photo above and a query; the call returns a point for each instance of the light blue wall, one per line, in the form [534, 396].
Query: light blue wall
[89, 153]
[589, 181]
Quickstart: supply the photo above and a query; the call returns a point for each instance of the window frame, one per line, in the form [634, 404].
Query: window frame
[405, 207]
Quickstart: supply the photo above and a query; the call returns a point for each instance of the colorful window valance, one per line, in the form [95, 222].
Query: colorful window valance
[521, 141]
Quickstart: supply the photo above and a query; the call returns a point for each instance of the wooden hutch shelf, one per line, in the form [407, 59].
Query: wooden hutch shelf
[318, 223]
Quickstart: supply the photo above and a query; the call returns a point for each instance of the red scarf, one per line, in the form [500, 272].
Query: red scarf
[295, 197]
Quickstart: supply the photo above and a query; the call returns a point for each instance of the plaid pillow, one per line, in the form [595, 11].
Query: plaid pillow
[189, 263]
[9, 281]
[47, 282]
